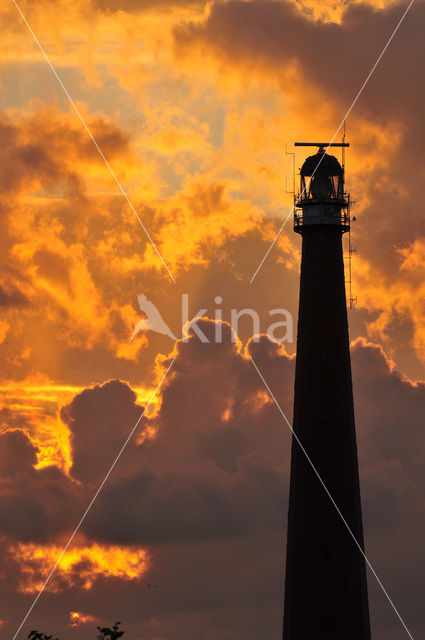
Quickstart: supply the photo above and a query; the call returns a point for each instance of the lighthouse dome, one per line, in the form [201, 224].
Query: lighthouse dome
[329, 165]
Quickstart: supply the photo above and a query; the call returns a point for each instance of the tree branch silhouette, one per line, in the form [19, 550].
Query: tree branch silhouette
[105, 633]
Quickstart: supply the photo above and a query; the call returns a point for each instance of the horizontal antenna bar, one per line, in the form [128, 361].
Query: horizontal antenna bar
[322, 144]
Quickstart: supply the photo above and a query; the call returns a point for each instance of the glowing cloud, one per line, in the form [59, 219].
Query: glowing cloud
[77, 618]
[80, 566]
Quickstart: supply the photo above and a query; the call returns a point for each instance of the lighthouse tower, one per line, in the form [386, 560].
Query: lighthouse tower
[325, 586]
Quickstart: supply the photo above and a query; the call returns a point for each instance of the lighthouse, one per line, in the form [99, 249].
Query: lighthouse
[325, 584]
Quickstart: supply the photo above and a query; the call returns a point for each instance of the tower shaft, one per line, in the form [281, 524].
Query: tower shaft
[325, 588]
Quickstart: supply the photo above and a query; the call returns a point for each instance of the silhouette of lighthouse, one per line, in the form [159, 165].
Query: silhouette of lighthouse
[325, 586]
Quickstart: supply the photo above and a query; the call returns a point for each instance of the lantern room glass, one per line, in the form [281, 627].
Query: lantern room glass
[322, 187]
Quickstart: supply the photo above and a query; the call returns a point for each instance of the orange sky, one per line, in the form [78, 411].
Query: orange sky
[193, 104]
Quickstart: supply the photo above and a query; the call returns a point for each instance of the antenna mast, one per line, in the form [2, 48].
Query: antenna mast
[290, 153]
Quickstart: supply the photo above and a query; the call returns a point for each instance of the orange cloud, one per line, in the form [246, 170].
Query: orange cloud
[391, 295]
[333, 11]
[77, 618]
[34, 408]
[80, 566]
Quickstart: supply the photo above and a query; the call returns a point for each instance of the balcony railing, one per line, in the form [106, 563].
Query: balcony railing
[342, 199]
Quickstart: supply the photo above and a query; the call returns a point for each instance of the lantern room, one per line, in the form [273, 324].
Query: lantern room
[322, 200]
[322, 178]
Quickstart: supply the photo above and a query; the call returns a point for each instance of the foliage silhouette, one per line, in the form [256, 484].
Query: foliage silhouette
[105, 633]
[110, 634]
[35, 635]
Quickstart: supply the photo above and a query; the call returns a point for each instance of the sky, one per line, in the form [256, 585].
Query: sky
[193, 106]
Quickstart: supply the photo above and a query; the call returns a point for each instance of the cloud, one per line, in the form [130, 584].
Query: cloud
[32, 498]
[139, 6]
[263, 33]
[50, 183]
[193, 109]
[317, 66]
[213, 483]
[12, 298]
[80, 567]
[77, 617]
[96, 442]
[17, 455]
[79, 253]
[43, 147]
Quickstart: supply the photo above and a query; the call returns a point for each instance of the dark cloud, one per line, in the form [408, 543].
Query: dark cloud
[35, 505]
[203, 503]
[17, 455]
[53, 266]
[207, 497]
[389, 410]
[213, 480]
[334, 57]
[100, 420]
[188, 497]
[208, 473]
[137, 6]
[21, 161]
[42, 148]
[11, 297]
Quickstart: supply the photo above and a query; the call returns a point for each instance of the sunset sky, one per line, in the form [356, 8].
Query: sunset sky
[193, 105]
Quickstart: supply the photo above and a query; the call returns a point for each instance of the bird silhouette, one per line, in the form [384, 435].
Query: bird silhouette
[153, 320]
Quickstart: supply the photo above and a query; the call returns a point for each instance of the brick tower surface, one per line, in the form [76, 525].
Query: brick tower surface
[325, 587]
